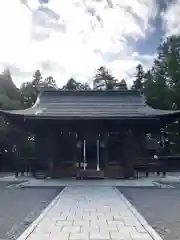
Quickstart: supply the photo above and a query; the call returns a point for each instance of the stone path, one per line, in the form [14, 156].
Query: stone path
[93, 213]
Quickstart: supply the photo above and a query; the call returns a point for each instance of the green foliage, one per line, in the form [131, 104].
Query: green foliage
[139, 78]
[8, 87]
[166, 74]
[72, 84]
[162, 84]
[104, 80]
[122, 85]
[30, 90]
[12, 98]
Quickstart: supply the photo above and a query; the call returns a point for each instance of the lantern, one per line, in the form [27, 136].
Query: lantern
[79, 144]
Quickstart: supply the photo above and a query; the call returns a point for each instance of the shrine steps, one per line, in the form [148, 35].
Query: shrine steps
[90, 174]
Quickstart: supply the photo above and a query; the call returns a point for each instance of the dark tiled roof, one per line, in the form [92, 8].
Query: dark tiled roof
[91, 104]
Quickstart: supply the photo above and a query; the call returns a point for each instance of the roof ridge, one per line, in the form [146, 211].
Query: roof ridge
[60, 92]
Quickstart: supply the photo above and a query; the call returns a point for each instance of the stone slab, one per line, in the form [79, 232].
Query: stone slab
[105, 226]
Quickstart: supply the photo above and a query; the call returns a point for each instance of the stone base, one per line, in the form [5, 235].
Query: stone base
[90, 174]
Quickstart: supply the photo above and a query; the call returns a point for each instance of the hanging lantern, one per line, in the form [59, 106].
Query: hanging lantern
[43, 1]
[78, 144]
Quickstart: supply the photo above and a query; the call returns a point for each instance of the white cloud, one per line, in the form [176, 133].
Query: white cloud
[171, 18]
[73, 37]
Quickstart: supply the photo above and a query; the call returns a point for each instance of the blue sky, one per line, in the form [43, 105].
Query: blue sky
[154, 38]
[73, 38]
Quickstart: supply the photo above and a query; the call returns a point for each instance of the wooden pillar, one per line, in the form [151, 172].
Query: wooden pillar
[38, 139]
[106, 154]
[60, 141]
[51, 151]
[79, 147]
[165, 151]
[39, 149]
[19, 160]
[140, 143]
[101, 151]
[129, 154]
[74, 158]
[55, 150]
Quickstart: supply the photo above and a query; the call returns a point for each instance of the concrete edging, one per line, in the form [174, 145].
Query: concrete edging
[31, 228]
[139, 217]
[162, 185]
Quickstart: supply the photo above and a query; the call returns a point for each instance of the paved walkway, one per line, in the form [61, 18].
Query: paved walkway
[93, 213]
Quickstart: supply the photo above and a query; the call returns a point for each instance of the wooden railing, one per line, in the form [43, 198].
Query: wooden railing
[161, 164]
[112, 169]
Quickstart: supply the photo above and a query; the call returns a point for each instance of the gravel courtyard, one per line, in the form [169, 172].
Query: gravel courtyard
[19, 207]
[160, 207]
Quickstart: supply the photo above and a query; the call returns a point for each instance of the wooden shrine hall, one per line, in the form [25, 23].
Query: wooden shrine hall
[90, 133]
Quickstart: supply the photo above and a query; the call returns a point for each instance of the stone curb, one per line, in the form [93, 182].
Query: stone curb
[140, 218]
[16, 185]
[162, 185]
[29, 184]
[31, 228]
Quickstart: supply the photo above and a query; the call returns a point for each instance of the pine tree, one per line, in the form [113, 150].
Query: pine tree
[30, 90]
[122, 85]
[104, 80]
[139, 78]
[71, 85]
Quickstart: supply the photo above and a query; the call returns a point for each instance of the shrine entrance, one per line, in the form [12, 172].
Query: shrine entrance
[92, 161]
[91, 154]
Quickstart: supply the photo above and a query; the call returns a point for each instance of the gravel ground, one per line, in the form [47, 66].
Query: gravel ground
[20, 207]
[6, 174]
[160, 208]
